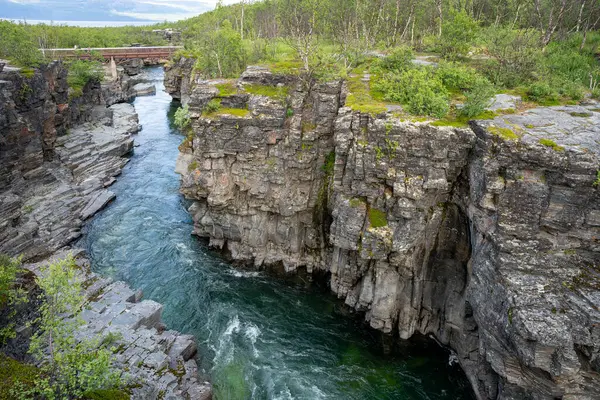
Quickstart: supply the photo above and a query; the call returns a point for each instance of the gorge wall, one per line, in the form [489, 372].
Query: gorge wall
[60, 151]
[481, 236]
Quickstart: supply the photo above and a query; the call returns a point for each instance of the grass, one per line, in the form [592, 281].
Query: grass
[106, 394]
[361, 99]
[377, 218]
[580, 114]
[461, 121]
[236, 112]
[552, 144]
[450, 122]
[276, 92]
[28, 72]
[286, 67]
[329, 164]
[356, 202]
[226, 89]
[504, 133]
[14, 373]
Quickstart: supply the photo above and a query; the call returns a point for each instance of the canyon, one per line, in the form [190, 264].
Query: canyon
[60, 151]
[486, 237]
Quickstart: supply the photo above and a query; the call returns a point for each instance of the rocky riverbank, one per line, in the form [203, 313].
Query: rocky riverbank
[59, 154]
[484, 236]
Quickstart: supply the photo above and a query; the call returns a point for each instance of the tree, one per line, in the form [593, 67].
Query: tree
[299, 20]
[70, 366]
[221, 52]
[11, 295]
[458, 35]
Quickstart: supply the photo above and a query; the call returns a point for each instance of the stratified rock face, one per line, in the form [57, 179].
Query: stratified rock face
[57, 156]
[259, 178]
[535, 283]
[179, 78]
[486, 237]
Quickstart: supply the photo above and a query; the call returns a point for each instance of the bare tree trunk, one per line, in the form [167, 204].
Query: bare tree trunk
[242, 21]
[396, 17]
[580, 17]
[586, 30]
[411, 17]
[516, 16]
[438, 4]
[553, 24]
[412, 32]
[219, 65]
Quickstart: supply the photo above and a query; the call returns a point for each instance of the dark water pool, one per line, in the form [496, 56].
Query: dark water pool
[259, 337]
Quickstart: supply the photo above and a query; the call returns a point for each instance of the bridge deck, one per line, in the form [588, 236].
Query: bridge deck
[116, 52]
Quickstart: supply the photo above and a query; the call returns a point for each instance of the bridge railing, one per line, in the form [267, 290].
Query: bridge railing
[114, 52]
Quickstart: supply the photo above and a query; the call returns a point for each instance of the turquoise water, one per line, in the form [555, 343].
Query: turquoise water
[259, 337]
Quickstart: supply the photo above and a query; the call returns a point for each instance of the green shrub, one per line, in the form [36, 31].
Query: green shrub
[81, 72]
[15, 374]
[400, 59]
[18, 45]
[212, 106]
[458, 34]
[515, 55]
[106, 394]
[418, 89]
[542, 93]
[10, 294]
[457, 77]
[565, 61]
[220, 53]
[69, 367]
[182, 118]
[478, 99]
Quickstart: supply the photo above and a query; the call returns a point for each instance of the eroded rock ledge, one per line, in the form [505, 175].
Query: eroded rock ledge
[485, 237]
[157, 362]
[58, 156]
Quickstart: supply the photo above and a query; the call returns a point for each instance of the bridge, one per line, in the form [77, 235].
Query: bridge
[117, 53]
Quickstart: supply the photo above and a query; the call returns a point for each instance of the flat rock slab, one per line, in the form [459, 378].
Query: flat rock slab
[144, 89]
[152, 357]
[97, 203]
[573, 127]
[505, 102]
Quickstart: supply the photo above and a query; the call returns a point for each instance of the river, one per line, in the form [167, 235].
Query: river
[259, 337]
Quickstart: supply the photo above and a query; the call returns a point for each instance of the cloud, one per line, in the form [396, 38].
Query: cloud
[24, 1]
[155, 16]
[178, 6]
[106, 10]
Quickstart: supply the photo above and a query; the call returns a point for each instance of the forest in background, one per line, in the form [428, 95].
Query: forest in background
[543, 50]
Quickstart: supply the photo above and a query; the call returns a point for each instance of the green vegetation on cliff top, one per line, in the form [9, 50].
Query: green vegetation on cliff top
[537, 49]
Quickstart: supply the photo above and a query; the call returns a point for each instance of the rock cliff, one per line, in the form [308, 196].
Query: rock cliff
[486, 237]
[59, 153]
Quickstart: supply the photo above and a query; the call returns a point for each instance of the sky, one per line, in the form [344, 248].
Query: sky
[117, 11]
